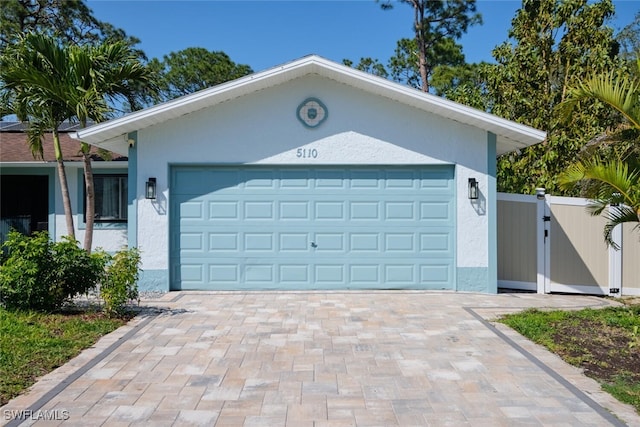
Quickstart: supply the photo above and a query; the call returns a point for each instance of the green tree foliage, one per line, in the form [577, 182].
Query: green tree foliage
[613, 184]
[629, 39]
[403, 66]
[47, 83]
[369, 65]
[553, 44]
[192, 69]
[465, 83]
[69, 21]
[405, 63]
[436, 24]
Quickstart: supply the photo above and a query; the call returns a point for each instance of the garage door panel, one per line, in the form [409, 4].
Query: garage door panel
[399, 242]
[328, 242]
[436, 178]
[224, 242]
[260, 180]
[192, 273]
[258, 210]
[294, 210]
[400, 273]
[399, 180]
[295, 179]
[364, 179]
[436, 243]
[259, 274]
[330, 273]
[258, 242]
[272, 272]
[294, 242]
[365, 211]
[329, 211]
[436, 211]
[192, 210]
[364, 274]
[223, 210]
[399, 211]
[226, 273]
[327, 228]
[204, 180]
[331, 179]
[366, 243]
[436, 274]
[294, 273]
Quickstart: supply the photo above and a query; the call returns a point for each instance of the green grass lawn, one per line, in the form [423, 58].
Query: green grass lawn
[605, 343]
[33, 344]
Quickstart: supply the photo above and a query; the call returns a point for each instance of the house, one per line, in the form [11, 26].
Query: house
[312, 175]
[30, 197]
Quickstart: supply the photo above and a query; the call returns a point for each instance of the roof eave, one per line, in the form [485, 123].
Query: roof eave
[103, 133]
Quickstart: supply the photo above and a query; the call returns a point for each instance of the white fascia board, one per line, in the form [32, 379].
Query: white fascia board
[110, 164]
[506, 129]
[115, 128]
[120, 164]
[34, 164]
[519, 134]
[41, 164]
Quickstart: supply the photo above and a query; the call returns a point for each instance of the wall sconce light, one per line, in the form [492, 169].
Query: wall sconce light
[473, 189]
[150, 189]
[540, 192]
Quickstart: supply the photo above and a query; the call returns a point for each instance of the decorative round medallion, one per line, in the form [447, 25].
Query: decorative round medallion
[312, 112]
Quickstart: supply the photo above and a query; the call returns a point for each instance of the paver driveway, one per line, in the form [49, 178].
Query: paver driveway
[379, 358]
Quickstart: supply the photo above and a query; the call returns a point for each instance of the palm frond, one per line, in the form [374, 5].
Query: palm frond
[611, 181]
[35, 137]
[619, 92]
[615, 216]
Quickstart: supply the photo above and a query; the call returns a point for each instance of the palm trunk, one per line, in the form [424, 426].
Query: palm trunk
[90, 201]
[64, 186]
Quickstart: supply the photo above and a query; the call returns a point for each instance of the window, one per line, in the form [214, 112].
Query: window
[111, 198]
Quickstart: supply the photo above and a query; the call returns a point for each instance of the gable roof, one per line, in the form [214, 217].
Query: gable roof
[113, 133]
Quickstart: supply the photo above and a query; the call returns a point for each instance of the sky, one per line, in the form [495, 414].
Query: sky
[267, 33]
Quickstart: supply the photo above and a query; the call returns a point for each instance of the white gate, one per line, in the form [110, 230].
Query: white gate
[552, 244]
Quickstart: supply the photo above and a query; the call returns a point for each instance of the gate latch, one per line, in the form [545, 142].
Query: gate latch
[546, 218]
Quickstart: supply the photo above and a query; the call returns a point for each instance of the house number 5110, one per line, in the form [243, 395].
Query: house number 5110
[307, 153]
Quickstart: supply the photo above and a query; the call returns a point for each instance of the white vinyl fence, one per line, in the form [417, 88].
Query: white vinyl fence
[552, 244]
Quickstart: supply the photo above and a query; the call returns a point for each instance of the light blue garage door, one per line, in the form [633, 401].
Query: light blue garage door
[312, 228]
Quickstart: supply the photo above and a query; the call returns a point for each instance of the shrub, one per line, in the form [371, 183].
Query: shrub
[39, 274]
[119, 284]
[76, 271]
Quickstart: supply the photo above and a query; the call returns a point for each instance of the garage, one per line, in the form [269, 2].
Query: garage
[287, 227]
[312, 175]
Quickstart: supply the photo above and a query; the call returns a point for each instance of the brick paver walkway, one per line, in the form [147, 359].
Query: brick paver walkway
[323, 359]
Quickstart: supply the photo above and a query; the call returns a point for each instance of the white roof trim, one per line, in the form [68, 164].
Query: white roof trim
[511, 136]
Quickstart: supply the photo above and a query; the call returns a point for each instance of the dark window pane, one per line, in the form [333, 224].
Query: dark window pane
[111, 197]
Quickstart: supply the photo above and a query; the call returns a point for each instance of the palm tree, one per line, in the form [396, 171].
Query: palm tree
[47, 83]
[612, 185]
[104, 73]
[34, 75]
